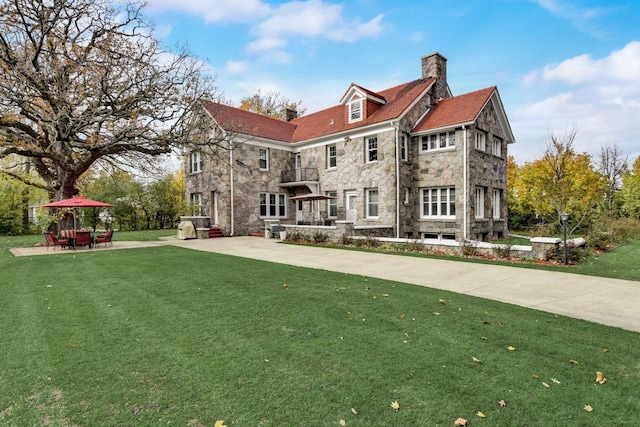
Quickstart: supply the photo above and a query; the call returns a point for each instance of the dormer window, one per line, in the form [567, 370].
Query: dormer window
[355, 111]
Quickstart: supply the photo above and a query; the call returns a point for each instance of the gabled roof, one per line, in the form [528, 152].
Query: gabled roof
[366, 93]
[319, 124]
[457, 110]
[332, 120]
[235, 120]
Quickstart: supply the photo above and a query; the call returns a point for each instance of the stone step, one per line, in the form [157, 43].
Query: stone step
[215, 232]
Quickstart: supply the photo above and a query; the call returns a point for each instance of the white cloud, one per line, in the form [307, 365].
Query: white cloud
[581, 18]
[215, 10]
[316, 19]
[236, 67]
[600, 98]
[266, 43]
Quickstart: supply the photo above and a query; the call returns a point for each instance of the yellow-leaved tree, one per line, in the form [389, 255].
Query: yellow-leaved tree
[561, 181]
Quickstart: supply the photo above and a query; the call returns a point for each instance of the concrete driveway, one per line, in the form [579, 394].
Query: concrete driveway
[612, 302]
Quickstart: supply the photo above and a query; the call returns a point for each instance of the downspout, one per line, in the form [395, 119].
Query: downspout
[231, 187]
[464, 182]
[397, 127]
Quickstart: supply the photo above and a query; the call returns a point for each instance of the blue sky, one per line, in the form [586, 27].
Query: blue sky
[558, 64]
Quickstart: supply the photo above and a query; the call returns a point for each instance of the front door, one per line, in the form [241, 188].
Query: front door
[352, 210]
[214, 207]
[299, 212]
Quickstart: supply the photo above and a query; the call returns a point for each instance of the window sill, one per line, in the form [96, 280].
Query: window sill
[437, 218]
[438, 150]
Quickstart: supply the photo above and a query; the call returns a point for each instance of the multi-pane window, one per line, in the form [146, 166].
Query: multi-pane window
[196, 204]
[332, 155]
[332, 204]
[479, 202]
[355, 111]
[496, 148]
[439, 141]
[264, 159]
[439, 202]
[481, 141]
[372, 203]
[404, 150]
[195, 162]
[372, 149]
[273, 205]
[496, 204]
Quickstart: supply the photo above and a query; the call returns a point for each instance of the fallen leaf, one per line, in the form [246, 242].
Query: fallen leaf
[354, 411]
[402, 315]
[385, 295]
[575, 362]
[511, 348]
[606, 350]
[395, 405]
[484, 338]
[486, 323]
[461, 422]
[600, 379]
[442, 301]
[435, 313]
[588, 408]
[546, 385]
[286, 287]
[475, 359]
[556, 316]
[555, 380]
[502, 403]
[481, 415]
[343, 423]
[219, 423]
[535, 376]
[375, 297]
[500, 324]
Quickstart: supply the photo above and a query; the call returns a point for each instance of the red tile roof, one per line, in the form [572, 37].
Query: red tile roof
[235, 120]
[456, 110]
[325, 122]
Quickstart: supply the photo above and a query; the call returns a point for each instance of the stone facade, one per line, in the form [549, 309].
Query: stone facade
[389, 190]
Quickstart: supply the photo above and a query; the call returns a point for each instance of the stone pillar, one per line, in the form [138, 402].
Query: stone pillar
[541, 245]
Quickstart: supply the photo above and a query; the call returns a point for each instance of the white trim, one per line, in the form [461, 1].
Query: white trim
[350, 110]
[368, 203]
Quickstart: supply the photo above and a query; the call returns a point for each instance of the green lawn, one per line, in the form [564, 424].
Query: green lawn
[169, 336]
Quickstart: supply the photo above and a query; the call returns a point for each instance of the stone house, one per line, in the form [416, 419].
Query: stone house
[411, 161]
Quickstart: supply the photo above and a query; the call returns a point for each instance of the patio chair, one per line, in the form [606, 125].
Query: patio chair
[52, 240]
[106, 238]
[83, 238]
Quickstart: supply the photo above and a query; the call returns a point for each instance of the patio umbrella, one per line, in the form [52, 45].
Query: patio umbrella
[77, 202]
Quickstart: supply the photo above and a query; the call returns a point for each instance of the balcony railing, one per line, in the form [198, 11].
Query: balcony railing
[299, 175]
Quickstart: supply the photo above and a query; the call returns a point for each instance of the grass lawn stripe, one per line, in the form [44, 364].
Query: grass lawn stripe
[169, 335]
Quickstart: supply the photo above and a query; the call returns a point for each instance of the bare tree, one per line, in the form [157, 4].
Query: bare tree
[612, 165]
[84, 81]
[271, 104]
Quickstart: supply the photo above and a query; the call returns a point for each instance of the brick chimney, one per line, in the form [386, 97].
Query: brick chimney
[290, 114]
[435, 65]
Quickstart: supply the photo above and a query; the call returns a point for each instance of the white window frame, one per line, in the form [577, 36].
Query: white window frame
[369, 151]
[332, 204]
[404, 149]
[272, 205]
[195, 162]
[481, 140]
[406, 196]
[496, 204]
[480, 202]
[438, 202]
[355, 111]
[263, 157]
[372, 203]
[434, 141]
[496, 147]
[332, 158]
[196, 204]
